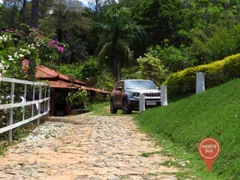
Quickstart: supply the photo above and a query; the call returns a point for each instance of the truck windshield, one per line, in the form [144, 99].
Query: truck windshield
[139, 84]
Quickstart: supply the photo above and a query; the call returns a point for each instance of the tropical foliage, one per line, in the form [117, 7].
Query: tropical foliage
[216, 73]
[179, 33]
[15, 45]
[118, 31]
[78, 99]
[152, 68]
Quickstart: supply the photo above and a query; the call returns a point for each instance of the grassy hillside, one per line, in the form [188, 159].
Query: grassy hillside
[214, 113]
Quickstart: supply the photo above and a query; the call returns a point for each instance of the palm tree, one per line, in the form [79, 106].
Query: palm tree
[116, 35]
[76, 51]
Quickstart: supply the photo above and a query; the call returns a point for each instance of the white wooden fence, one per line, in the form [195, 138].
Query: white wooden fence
[42, 103]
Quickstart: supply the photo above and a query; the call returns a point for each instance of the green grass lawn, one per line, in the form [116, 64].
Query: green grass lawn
[214, 113]
[103, 109]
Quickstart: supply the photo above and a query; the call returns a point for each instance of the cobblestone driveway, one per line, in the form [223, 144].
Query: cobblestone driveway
[85, 147]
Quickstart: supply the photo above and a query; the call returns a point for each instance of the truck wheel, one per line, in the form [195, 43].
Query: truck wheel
[113, 110]
[125, 108]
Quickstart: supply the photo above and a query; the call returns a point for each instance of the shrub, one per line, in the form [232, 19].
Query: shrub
[78, 99]
[217, 73]
[105, 80]
[130, 73]
[71, 69]
[90, 69]
[152, 68]
[217, 43]
[173, 58]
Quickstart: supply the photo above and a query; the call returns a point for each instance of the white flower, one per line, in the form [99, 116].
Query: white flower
[21, 55]
[31, 46]
[24, 50]
[1, 66]
[15, 55]
[10, 58]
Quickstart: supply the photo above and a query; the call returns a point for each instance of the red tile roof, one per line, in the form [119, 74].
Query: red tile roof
[94, 89]
[66, 85]
[64, 77]
[63, 85]
[43, 72]
[58, 80]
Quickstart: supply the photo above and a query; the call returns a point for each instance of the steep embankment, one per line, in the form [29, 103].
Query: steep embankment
[214, 113]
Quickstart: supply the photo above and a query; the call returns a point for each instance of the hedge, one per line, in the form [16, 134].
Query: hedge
[216, 73]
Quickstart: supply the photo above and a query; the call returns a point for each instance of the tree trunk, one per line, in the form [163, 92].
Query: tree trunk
[35, 12]
[115, 69]
[23, 12]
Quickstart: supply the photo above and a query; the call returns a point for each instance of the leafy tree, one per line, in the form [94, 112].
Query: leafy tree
[90, 69]
[152, 68]
[130, 73]
[105, 80]
[219, 43]
[160, 19]
[71, 69]
[70, 21]
[173, 58]
[9, 15]
[117, 33]
[98, 5]
[76, 51]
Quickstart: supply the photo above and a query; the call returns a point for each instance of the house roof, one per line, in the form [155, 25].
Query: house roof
[43, 72]
[58, 80]
[67, 85]
[63, 85]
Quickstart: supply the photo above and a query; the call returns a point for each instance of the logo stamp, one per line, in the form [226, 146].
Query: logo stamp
[209, 150]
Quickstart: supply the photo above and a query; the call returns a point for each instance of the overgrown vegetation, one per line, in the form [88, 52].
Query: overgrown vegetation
[217, 73]
[214, 113]
[177, 34]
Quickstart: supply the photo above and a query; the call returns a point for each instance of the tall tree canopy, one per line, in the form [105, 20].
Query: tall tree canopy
[118, 31]
[196, 31]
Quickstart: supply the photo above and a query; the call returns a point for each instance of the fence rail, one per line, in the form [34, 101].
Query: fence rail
[42, 103]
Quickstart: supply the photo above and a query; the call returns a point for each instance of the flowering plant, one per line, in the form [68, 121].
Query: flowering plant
[31, 44]
[78, 99]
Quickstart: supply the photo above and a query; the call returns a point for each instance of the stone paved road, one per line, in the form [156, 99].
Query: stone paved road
[85, 147]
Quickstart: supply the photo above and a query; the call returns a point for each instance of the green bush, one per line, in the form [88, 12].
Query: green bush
[90, 69]
[217, 73]
[130, 73]
[78, 99]
[152, 68]
[71, 69]
[173, 58]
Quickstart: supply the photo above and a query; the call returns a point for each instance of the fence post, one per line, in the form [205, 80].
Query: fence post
[141, 103]
[49, 100]
[10, 122]
[25, 98]
[45, 96]
[39, 104]
[33, 99]
[164, 101]
[200, 82]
